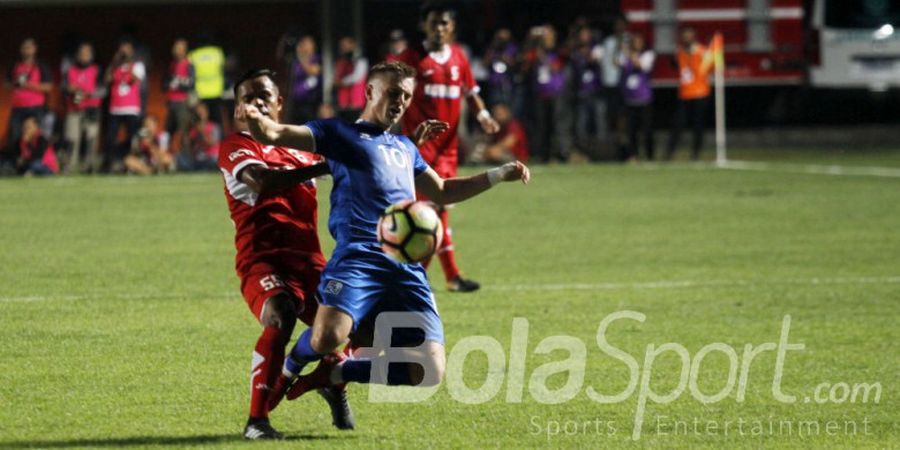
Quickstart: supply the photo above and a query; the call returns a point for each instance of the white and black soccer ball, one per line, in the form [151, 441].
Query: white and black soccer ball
[410, 231]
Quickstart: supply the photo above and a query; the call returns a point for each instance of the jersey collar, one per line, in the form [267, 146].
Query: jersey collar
[440, 56]
[371, 125]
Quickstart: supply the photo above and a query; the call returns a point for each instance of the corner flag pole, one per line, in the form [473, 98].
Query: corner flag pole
[718, 49]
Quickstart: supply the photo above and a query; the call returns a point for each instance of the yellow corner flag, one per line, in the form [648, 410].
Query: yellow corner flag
[718, 49]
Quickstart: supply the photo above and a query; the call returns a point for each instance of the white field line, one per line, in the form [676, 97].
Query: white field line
[815, 169]
[674, 284]
[146, 296]
[610, 286]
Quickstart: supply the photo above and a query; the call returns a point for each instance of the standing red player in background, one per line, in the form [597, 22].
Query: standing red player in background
[443, 79]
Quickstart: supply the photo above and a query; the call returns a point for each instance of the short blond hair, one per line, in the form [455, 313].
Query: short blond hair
[398, 68]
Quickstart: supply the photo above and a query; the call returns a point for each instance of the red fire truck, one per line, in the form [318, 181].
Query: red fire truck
[764, 39]
[835, 44]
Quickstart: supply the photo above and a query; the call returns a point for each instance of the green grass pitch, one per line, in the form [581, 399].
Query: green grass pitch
[121, 325]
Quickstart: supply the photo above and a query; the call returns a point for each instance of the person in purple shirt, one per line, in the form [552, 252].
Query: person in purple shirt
[306, 81]
[552, 109]
[637, 66]
[590, 121]
[501, 61]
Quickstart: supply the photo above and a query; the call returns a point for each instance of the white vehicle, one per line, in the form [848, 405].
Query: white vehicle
[858, 46]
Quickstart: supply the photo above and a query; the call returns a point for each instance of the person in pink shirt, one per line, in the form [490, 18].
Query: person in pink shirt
[350, 70]
[31, 82]
[82, 86]
[124, 76]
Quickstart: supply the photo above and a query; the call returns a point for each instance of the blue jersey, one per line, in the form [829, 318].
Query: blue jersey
[372, 169]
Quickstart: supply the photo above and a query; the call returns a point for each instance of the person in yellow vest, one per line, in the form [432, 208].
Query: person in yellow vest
[208, 60]
[694, 64]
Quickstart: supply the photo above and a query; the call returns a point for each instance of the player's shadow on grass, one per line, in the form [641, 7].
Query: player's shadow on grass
[157, 440]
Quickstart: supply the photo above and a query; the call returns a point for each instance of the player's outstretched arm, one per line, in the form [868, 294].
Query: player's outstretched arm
[488, 124]
[263, 180]
[454, 190]
[270, 132]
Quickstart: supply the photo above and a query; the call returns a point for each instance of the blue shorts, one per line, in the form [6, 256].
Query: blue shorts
[363, 282]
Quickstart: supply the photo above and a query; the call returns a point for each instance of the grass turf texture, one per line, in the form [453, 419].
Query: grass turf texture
[121, 324]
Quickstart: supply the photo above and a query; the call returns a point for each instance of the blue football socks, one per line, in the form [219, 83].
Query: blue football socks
[301, 355]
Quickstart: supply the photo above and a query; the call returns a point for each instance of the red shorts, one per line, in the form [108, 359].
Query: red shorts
[264, 280]
[443, 161]
[445, 166]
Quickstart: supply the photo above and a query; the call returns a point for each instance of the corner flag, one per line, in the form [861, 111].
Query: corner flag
[717, 48]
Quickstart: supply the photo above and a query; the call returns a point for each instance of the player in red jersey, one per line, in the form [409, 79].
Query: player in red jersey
[444, 78]
[271, 195]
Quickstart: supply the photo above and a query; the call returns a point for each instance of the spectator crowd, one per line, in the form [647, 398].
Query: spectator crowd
[553, 96]
[114, 99]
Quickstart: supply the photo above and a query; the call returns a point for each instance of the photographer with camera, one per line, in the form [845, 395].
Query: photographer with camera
[82, 85]
[32, 153]
[124, 76]
[150, 150]
[178, 85]
[202, 151]
[31, 82]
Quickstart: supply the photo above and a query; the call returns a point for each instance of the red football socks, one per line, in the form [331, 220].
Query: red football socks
[268, 356]
[445, 252]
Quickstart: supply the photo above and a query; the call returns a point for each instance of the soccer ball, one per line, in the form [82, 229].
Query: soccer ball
[409, 231]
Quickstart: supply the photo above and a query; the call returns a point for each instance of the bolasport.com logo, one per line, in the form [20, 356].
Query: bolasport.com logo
[506, 377]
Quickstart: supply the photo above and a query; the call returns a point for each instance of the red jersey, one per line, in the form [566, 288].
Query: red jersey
[443, 79]
[275, 227]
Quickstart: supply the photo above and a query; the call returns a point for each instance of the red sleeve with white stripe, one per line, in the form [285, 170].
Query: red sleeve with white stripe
[238, 152]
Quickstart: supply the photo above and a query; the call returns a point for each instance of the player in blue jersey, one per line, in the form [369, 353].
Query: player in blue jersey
[372, 169]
